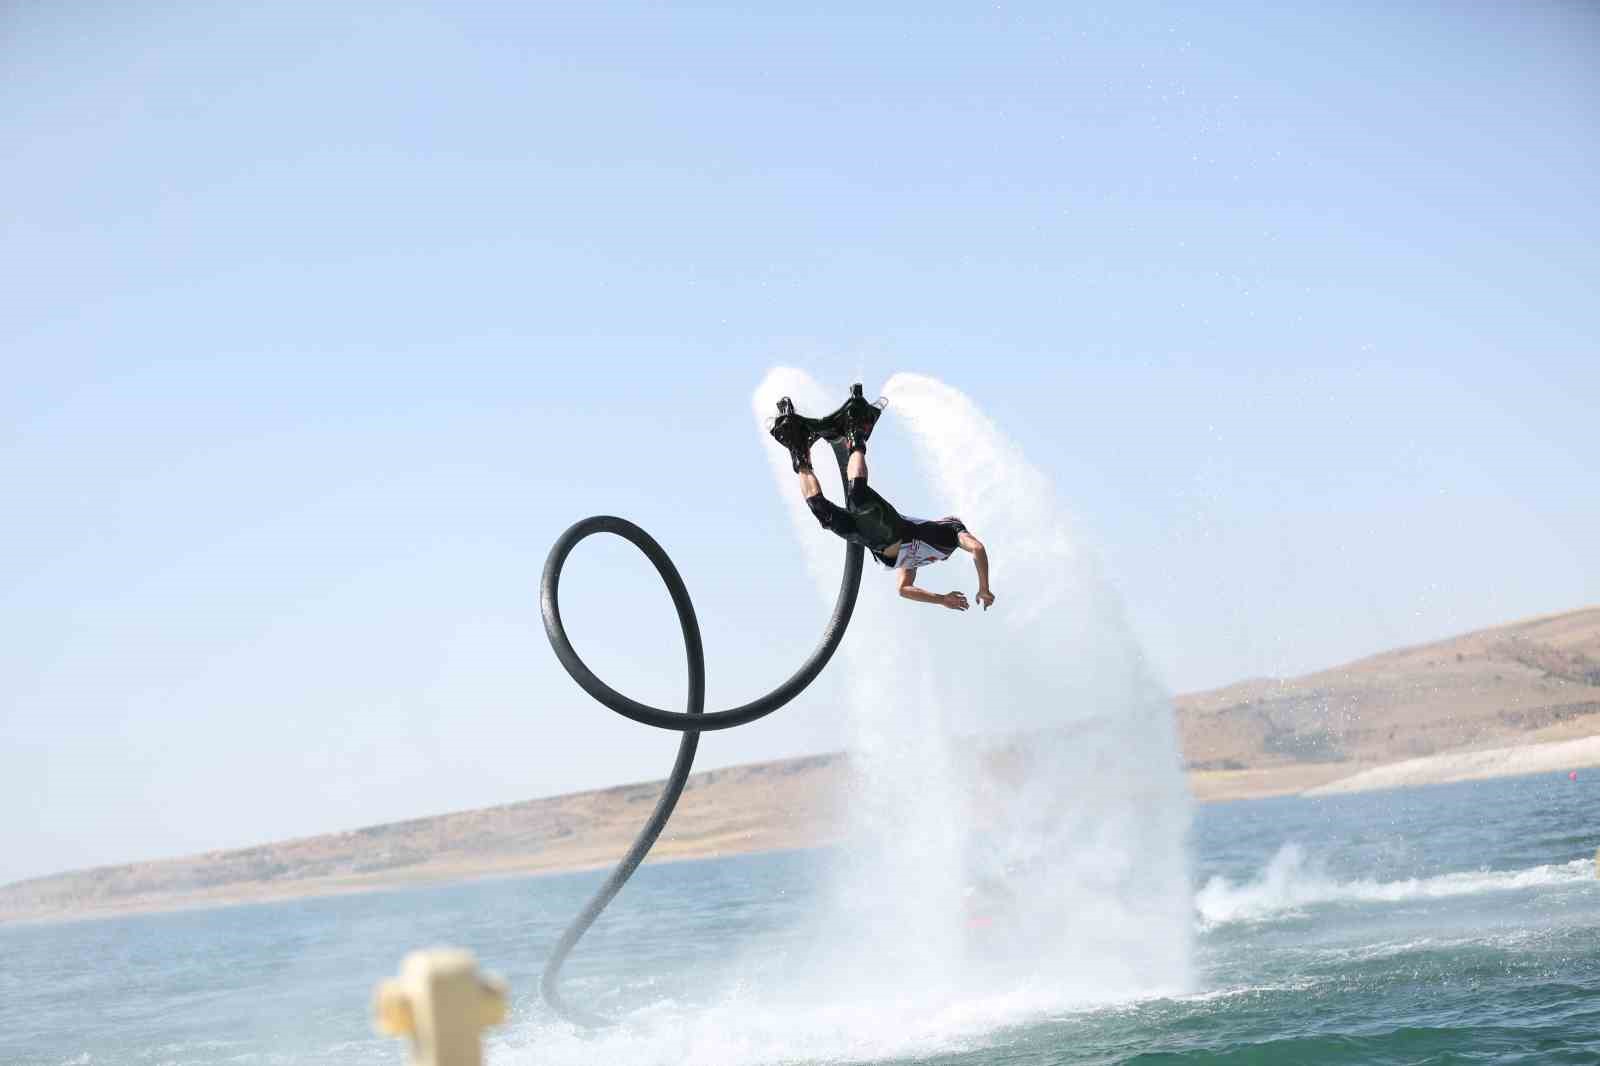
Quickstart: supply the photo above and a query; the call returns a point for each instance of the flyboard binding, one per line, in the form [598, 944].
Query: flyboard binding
[852, 423]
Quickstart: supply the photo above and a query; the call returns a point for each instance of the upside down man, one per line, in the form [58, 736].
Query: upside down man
[903, 544]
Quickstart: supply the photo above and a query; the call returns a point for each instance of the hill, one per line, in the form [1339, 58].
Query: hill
[1512, 686]
[1525, 683]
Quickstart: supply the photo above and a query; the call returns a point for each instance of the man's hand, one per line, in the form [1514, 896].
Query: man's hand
[956, 601]
[980, 560]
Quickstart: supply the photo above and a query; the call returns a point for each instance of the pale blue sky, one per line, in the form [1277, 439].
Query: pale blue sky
[320, 324]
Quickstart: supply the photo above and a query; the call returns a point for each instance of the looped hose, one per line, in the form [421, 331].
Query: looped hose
[691, 722]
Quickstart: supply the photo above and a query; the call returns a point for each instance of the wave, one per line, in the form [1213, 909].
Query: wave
[747, 1028]
[1288, 883]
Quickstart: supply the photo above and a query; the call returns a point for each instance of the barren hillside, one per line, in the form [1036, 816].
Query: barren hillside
[1528, 682]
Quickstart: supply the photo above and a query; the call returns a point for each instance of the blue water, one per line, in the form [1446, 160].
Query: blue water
[1456, 924]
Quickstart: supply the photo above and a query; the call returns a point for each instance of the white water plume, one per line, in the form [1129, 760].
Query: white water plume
[1020, 818]
[1290, 882]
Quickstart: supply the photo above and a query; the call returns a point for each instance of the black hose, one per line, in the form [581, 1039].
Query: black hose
[691, 723]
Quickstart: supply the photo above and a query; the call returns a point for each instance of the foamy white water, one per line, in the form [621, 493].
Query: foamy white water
[897, 900]
[1291, 881]
[708, 962]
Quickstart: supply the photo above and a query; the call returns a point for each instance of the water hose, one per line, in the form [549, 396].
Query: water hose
[691, 723]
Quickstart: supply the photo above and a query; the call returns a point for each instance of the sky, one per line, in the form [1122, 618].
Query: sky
[322, 321]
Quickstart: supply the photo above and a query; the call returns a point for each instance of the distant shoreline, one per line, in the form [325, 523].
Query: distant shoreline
[1308, 781]
[260, 895]
[1521, 698]
[1311, 781]
[1451, 767]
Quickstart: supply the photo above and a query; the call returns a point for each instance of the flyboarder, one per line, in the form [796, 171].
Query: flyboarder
[903, 544]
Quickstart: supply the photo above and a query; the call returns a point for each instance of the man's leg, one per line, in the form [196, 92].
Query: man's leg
[809, 485]
[875, 518]
[857, 497]
[828, 515]
[857, 467]
[860, 417]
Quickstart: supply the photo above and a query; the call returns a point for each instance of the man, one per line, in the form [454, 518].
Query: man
[905, 544]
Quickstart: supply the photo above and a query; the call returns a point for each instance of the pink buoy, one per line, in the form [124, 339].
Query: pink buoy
[1573, 776]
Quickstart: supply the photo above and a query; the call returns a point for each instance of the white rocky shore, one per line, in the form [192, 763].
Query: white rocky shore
[1563, 755]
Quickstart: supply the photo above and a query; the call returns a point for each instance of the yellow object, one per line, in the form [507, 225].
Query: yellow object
[443, 1004]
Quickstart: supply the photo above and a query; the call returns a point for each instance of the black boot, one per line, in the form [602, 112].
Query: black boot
[858, 417]
[795, 432]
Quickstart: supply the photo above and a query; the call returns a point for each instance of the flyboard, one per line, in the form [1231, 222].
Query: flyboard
[694, 719]
[792, 429]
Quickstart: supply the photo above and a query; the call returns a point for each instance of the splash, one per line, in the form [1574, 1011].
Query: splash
[1290, 882]
[1019, 822]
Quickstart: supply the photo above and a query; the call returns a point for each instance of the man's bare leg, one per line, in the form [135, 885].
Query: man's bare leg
[857, 466]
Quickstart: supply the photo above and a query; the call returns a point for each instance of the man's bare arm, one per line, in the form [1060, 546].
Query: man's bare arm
[956, 601]
[980, 561]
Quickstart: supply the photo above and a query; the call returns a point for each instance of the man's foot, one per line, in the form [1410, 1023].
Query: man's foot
[856, 419]
[794, 432]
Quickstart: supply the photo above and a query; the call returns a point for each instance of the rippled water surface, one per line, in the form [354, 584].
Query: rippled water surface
[1452, 924]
